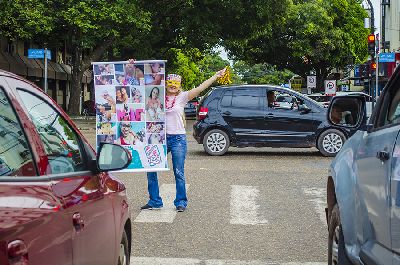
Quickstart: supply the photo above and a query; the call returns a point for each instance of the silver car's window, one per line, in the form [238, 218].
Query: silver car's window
[60, 141]
[393, 116]
[15, 155]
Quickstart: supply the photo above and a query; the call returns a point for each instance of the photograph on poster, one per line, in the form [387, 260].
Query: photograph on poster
[105, 103]
[103, 69]
[106, 128]
[103, 80]
[130, 112]
[134, 74]
[122, 94]
[155, 138]
[154, 68]
[153, 156]
[155, 127]
[130, 133]
[138, 112]
[154, 74]
[105, 138]
[137, 94]
[125, 112]
[154, 105]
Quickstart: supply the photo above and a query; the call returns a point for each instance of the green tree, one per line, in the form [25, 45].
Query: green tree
[194, 66]
[261, 73]
[317, 35]
[88, 27]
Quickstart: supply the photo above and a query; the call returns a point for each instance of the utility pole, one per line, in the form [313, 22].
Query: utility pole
[45, 69]
[372, 16]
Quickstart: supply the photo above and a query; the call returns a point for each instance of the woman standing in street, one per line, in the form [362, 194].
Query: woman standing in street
[175, 101]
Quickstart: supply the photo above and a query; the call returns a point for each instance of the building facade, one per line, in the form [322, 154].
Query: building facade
[391, 25]
[14, 58]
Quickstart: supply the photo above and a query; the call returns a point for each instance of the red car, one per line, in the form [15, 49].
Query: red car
[58, 203]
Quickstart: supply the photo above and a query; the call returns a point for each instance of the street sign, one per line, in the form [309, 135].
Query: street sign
[330, 87]
[387, 57]
[357, 71]
[38, 54]
[311, 81]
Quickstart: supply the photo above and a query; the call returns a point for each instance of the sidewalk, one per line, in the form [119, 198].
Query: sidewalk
[84, 122]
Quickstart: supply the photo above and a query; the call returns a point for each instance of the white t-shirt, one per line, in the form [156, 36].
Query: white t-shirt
[174, 112]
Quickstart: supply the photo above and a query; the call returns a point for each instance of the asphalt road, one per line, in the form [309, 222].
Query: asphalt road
[251, 206]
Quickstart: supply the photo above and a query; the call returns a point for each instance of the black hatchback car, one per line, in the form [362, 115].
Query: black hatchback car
[251, 115]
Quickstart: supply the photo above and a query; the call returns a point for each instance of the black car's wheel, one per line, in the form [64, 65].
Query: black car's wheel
[216, 142]
[330, 142]
[336, 249]
[123, 254]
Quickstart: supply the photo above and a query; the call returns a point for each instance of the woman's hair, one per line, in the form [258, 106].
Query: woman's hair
[151, 92]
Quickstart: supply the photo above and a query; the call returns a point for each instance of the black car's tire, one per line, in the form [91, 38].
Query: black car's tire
[123, 250]
[336, 248]
[330, 142]
[216, 142]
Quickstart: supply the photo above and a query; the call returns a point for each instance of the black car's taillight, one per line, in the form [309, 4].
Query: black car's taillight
[203, 111]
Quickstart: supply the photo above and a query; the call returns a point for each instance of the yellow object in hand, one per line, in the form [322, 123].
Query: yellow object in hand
[226, 78]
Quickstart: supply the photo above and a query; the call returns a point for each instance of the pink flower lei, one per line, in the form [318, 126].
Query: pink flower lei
[168, 103]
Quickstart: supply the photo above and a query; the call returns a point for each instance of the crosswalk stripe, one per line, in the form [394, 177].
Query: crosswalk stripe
[165, 214]
[244, 207]
[318, 198]
[189, 261]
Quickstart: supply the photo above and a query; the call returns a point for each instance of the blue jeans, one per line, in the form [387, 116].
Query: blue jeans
[176, 144]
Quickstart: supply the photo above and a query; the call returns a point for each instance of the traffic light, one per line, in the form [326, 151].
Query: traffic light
[371, 45]
[364, 70]
[373, 68]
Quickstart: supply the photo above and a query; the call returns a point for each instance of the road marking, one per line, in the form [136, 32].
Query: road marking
[237, 262]
[162, 261]
[318, 198]
[244, 207]
[187, 261]
[304, 263]
[167, 213]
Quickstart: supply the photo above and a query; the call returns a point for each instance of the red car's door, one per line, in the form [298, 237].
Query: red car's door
[86, 198]
[32, 223]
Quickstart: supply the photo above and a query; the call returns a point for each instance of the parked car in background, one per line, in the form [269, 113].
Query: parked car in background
[190, 108]
[89, 108]
[241, 116]
[58, 203]
[363, 186]
[323, 99]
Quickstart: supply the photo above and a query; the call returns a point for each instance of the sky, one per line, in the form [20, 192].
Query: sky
[375, 3]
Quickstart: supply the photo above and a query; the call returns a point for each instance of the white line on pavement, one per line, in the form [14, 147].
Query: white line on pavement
[162, 261]
[318, 198]
[187, 261]
[167, 213]
[244, 208]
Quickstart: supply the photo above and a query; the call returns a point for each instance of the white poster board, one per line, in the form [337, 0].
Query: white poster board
[330, 87]
[130, 110]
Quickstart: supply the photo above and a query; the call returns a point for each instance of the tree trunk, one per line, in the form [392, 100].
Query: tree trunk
[321, 76]
[76, 83]
[79, 66]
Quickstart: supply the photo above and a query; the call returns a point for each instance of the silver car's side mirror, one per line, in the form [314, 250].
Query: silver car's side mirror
[113, 157]
[347, 111]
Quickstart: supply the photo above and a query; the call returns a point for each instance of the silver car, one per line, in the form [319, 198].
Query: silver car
[363, 186]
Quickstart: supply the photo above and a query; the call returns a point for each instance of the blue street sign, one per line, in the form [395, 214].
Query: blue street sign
[38, 54]
[387, 58]
[357, 71]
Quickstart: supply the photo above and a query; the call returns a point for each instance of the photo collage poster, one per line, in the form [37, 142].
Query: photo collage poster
[130, 110]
